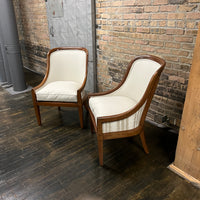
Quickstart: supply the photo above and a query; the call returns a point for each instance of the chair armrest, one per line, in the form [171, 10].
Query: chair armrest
[82, 87]
[41, 84]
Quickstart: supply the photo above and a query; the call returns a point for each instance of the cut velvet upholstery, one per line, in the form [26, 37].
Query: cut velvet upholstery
[64, 81]
[121, 112]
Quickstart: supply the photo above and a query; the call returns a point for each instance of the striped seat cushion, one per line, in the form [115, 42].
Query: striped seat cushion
[59, 91]
[108, 105]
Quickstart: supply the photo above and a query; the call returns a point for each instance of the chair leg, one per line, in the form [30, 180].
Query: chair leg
[59, 108]
[91, 126]
[142, 137]
[80, 110]
[100, 149]
[37, 113]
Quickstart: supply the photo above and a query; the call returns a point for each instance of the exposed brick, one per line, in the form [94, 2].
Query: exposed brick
[142, 16]
[159, 27]
[180, 24]
[157, 30]
[172, 45]
[160, 2]
[176, 16]
[193, 16]
[33, 33]
[130, 16]
[191, 32]
[159, 16]
[188, 46]
[151, 9]
[116, 3]
[177, 1]
[180, 53]
[142, 2]
[184, 39]
[142, 30]
[168, 8]
[191, 25]
[129, 3]
[171, 23]
[156, 43]
[186, 60]
[193, 1]
[176, 78]
[187, 8]
[153, 23]
[162, 23]
[174, 31]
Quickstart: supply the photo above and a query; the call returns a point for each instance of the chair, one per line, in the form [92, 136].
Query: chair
[64, 81]
[121, 112]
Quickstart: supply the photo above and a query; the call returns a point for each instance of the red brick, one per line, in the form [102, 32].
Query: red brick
[193, 1]
[174, 31]
[148, 49]
[156, 43]
[159, 16]
[191, 32]
[129, 3]
[142, 2]
[180, 53]
[162, 23]
[176, 16]
[188, 46]
[130, 16]
[186, 60]
[186, 8]
[168, 8]
[116, 3]
[151, 8]
[184, 39]
[142, 16]
[172, 45]
[160, 2]
[171, 23]
[193, 15]
[142, 30]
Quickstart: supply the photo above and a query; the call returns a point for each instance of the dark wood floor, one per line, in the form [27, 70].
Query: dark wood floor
[59, 161]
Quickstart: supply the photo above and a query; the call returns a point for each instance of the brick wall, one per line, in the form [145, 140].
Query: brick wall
[32, 25]
[166, 28]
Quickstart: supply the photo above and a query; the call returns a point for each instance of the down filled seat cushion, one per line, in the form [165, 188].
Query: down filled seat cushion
[62, 91]
[112, 105]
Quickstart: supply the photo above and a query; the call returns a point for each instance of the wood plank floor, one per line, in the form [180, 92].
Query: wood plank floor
[59, 161]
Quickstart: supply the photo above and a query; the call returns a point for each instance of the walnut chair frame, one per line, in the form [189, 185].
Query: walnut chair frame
[80, 100]
[96, 125]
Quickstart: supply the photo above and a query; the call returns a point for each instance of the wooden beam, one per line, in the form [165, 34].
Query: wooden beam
[187, 159]
[184, 175]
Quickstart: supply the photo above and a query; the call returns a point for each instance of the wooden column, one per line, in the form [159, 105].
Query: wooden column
[187, 159]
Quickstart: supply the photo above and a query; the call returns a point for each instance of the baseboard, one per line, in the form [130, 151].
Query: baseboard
[184, 175]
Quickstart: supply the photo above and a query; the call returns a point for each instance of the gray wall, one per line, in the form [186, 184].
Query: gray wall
[71, 24]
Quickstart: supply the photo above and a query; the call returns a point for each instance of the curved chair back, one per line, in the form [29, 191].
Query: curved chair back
[67, 64]
[140, 72]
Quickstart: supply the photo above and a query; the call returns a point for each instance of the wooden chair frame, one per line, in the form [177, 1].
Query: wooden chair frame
[147, 97]
[79, 102]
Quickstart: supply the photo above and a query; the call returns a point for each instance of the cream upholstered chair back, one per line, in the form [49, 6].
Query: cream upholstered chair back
[137, 81]
[67, 65]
